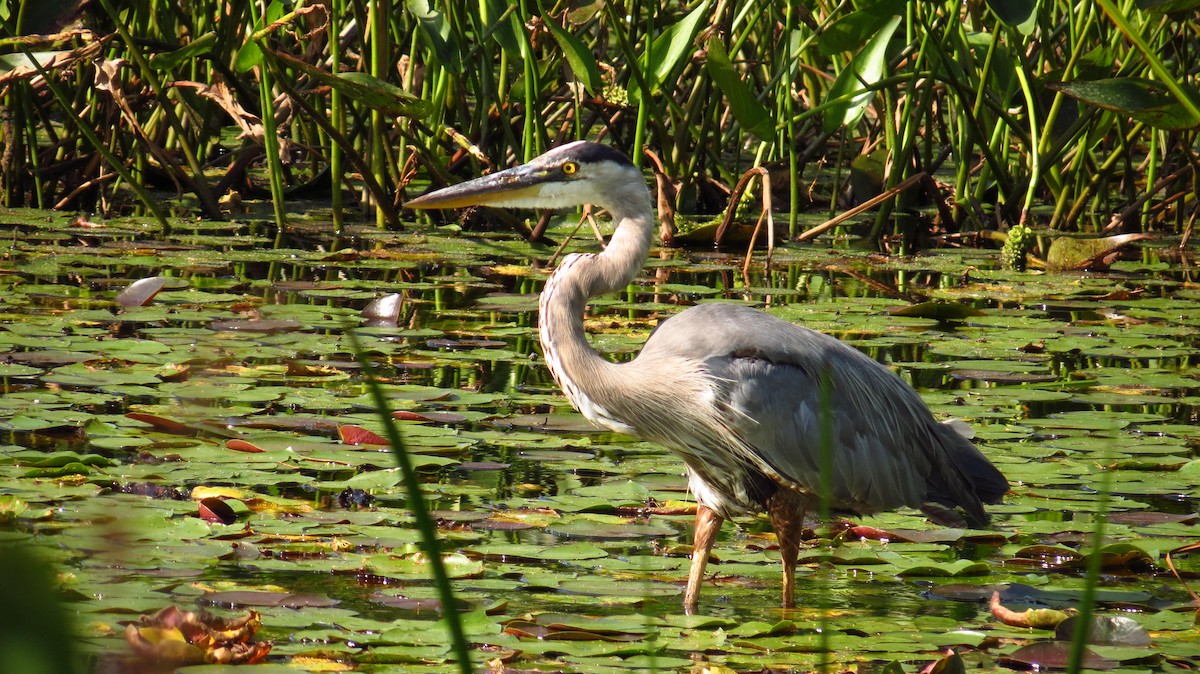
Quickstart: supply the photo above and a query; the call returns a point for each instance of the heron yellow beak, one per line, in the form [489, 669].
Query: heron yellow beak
[505, 188]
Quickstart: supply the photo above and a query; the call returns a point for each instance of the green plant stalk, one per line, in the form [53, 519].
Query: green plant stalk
[336, 138]
[480, 74]
[971, 134]
[97, 144]
[985, 75]
[789, 128]
[338, 121]
[378, 39]
[640, 66]
[965, 92]
[430, 543]
[530, 121]
[207, 201]
[1165, 76]
[1062, 199]
[503, 96]
[271, 143]
[1087, 600]
[1101, 174]
[1035, 163]
[1068, 72]
[13, 143]
[904, 142]
[838, 175]
[1151, 175]
[639, 126]
[883, 214]
[751, 21]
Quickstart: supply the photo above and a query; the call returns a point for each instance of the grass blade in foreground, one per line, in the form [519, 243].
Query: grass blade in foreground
[425, 525]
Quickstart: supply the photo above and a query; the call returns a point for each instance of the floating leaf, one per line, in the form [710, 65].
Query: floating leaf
[215, 510]
[237, 599]
[173, 637]
[357, 435]
[1053, 655]
[1107, 631]
[163, 424]
[1042, 619]
[938, 310]
[1078, 253]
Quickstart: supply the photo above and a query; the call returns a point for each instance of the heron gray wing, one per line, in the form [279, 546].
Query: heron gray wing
[777, 409]
[887, 450]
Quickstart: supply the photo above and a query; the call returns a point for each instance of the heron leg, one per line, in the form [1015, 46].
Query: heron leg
[708, 523]
[786, 510]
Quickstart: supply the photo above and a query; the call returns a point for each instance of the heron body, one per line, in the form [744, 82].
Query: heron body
[748, 401]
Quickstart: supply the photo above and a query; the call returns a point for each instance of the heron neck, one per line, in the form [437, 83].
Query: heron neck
[586, 378]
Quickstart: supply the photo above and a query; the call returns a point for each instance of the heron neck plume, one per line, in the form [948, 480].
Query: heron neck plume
[587, 379]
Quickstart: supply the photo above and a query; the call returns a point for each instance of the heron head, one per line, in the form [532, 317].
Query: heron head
[570, 175]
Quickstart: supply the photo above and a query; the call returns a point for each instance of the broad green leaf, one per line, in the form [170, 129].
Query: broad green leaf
[251, 53]
[1145, 100]
[854, 83]
[1018, 14]
[436, 30]
[850, 32]
[248, 57]
[749, 112]
[274, 12]
[668, 49]
[362, 87]
[374, 92]
[194, 49]
[10, 62]
[1168, 6]
[580, 58]
[491, 15]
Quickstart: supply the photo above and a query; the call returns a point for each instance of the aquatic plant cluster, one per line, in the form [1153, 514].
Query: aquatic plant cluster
[1072, 115]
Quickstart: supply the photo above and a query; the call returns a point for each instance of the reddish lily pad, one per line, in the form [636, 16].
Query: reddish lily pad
[265, 326]
[1053, 655]
[356, 435]
[241, 598]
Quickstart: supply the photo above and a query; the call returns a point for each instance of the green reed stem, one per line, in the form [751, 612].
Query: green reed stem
[270, 132]
[204, 194]
[430, 543]
[97, 143]
[1087, 601]
[338, 121]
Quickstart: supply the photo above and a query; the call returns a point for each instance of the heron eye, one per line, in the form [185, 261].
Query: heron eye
[570, 168]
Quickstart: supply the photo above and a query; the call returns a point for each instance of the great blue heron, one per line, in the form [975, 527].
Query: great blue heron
[743, 397]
